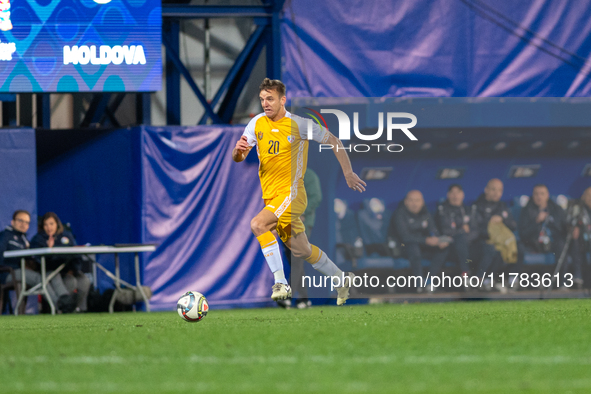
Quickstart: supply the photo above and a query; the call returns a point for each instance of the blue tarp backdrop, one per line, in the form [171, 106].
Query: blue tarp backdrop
[436, 48]
[176, 187]
[197, 207]
[18, 175]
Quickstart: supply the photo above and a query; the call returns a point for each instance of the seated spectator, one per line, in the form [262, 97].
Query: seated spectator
[52, 233]
[415, 228]
[452, 219]
[542, 224]
[349, 245]
[488, 210]
[373, 220]
[347, 231]
[14, 237]
[581, 244]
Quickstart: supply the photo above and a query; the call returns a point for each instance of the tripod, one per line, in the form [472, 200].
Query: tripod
[575, 214]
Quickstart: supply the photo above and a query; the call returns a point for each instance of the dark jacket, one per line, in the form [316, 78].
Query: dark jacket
[314, 194]
[584, 223]
[409, 227]
[373, 227]
[10, 239]
[347, 231]
[63, 239]
[555, 224]
[483, 210]
[579, 215]
[450, 219]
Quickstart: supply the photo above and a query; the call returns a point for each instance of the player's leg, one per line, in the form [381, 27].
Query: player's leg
[261, 226]
[301, 248]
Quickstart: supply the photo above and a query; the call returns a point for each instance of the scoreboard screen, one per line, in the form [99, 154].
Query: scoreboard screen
[80, 46]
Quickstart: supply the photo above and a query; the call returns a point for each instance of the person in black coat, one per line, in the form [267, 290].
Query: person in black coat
[543, 225]
[413, 225]
[489, 208]
[14, 237]
[453, 219]
[52, 233]
[581, 243]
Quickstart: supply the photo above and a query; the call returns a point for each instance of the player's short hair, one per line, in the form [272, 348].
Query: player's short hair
[40, 223]
[455, 185]
[273, 84]
[18, 212]
[540, 185]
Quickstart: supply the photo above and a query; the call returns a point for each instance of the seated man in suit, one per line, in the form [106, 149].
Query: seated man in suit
[542, 224]
[581, 243]
[489, 209]
[415, 228]
[453, 219]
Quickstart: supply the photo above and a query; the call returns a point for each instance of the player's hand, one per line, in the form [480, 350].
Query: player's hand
[50, 241]
[355, 183]
[466, 228]
[242, 144]
[443, 245]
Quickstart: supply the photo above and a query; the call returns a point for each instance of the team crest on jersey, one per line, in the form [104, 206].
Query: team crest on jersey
[260, 135]
[290, 139]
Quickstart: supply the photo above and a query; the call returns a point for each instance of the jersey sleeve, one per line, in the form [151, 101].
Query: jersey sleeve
[249, 131]
[319, 134]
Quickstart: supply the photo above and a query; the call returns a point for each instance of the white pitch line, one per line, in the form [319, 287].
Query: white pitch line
[314, 359]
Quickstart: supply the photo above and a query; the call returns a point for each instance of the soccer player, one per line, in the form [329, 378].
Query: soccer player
[281, 141]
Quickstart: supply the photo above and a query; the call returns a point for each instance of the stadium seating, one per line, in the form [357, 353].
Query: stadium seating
[369, 260]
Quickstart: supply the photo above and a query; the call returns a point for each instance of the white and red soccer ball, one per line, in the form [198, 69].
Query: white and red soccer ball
[192, 306]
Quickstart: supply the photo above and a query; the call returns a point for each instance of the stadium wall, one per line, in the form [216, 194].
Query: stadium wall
[179, 188]
[96, 188]
[436, 48]
[18, 174]
[176, 187]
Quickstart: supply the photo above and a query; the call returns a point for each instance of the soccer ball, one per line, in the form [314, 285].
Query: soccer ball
[192, 306]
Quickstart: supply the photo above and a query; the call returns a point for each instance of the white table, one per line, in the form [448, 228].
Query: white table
[41, 288]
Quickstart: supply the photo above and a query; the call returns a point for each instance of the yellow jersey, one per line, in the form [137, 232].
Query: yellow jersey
[282, 148]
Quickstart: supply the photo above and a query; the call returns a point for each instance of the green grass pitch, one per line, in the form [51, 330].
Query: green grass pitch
[496, 347]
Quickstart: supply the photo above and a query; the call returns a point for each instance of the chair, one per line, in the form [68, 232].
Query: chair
[15, 285]
[349, 247]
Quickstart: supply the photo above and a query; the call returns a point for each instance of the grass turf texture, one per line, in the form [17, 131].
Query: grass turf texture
[528, 346]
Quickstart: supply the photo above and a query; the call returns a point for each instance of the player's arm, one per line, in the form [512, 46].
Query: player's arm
[353, 181]
[241, 149]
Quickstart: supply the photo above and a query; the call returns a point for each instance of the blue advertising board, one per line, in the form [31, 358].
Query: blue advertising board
[80, 45]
